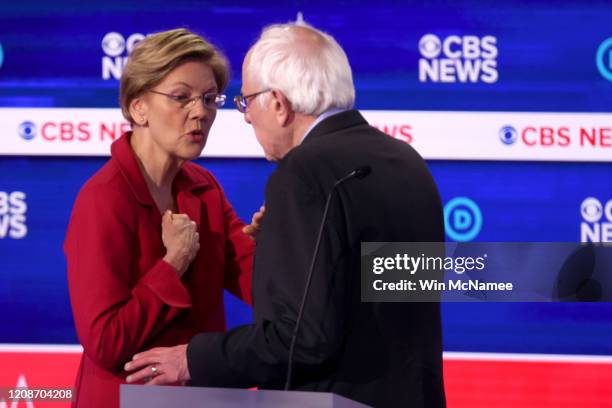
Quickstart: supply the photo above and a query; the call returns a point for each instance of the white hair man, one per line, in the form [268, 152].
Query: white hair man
[291, 95]
[298, 95]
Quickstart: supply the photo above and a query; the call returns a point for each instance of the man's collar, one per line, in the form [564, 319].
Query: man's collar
[336, 123]
[320, 118]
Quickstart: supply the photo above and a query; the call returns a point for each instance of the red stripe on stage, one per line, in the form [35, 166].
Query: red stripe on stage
[472, 380]
[38, 370]
[541, 384]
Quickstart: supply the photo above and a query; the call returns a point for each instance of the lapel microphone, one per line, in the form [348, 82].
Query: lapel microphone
[359, 173]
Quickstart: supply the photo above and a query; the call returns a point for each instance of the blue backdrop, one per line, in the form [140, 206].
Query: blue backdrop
[546, 60]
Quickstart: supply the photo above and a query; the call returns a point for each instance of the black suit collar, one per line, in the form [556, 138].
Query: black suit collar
[336, 123]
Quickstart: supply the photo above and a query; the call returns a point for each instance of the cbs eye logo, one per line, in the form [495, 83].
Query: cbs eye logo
[113, 44]
[604, 59]
[27, 130]
[430, 46]
[596, 223]
[508, 135]
[592, 210]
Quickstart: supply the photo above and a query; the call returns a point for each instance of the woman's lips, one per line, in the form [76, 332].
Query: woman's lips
[196, 136]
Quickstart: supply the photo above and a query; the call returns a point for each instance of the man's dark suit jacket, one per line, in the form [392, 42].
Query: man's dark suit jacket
[382, 354]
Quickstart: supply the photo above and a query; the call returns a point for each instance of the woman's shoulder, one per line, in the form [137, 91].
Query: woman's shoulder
[107, 184]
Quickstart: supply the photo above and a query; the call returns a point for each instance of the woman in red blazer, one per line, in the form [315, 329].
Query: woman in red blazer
[152, 240]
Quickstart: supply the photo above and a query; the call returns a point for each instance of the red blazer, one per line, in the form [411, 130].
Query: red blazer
[124, 297]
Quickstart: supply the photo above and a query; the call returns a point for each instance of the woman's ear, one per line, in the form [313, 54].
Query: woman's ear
[138, 111]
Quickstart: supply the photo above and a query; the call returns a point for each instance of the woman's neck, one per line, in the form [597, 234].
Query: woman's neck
[158, 168]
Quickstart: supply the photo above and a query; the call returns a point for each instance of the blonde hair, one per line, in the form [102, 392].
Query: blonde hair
[157, 55]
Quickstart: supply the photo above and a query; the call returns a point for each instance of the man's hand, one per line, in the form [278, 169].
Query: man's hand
[159, 366]
[253, 229]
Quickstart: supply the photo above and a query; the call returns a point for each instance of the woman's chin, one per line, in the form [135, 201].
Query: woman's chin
[191, 152]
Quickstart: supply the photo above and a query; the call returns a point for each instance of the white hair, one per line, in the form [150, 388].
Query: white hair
[307, 65]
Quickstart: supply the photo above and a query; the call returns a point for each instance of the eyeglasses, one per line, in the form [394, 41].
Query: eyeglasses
[242, 101]
[211, 100]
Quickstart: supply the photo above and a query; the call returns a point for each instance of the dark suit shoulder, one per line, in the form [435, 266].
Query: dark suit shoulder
[345, 144]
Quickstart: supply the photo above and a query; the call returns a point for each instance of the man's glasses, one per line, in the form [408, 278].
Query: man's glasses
[242, 101]
[211, 100]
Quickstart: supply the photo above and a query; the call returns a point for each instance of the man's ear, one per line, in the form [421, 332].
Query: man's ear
[280, 105]
[139, 110]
